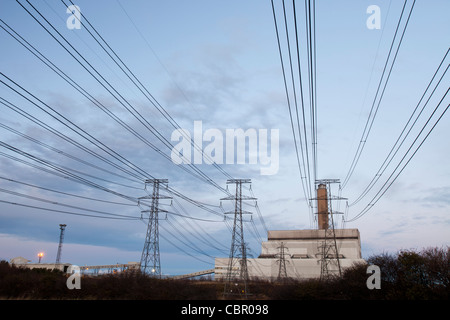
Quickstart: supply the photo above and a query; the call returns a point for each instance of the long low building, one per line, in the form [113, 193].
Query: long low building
[301, 252]
[21, 262]
[65, 267]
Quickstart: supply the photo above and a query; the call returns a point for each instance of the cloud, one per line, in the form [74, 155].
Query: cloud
[436, 197]
[227, 75]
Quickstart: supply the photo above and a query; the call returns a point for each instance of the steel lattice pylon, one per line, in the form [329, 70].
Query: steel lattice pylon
[237, 271]
[150, 259]
[282, 272]
[328, 249]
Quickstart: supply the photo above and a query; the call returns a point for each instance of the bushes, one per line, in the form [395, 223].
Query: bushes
[415, 275]
[408, 275]
[22, 283]
[405, 275]
[26, 283]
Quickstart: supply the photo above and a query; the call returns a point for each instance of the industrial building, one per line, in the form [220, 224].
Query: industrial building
[300, 254]
[303, 254]
[21, 262]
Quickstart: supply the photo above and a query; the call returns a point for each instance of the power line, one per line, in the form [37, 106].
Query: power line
[187, 242]
[308, 165]
[124, 102]
[387, 161]
[69, 212]
[58, 171]
[55, 69]
[310, 184]
[58, 151]
[181, 249]
[53, 164]
[147, 94]
[198, 228]
[194, 202]
[18, 194]
[371, 118]
[310, 27]
[65, 121]
[76, 86]
[302, 177]
[381, 192]
[310, 23]
[295, 100]
[66, 193]
[191, 218]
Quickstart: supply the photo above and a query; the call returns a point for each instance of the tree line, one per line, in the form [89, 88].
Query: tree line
[405, 275]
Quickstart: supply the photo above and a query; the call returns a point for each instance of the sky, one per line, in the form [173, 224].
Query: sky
[215, 62]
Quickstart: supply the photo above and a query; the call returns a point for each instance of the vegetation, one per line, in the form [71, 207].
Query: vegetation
[408, 275]
[405, 275]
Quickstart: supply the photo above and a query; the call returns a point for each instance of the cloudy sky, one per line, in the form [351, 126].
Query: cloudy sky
[78, 137]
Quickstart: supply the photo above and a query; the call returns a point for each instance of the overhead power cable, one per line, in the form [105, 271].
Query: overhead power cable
[165, 238]
[18, 194]
[132, 77]
[288, 100]
[56, 170]
[14, 86]
[389, 182]
[58, 151]
[52, 66]
[86, 94]
[194, 202]
[374, 110]
[297, 42]
[68, 212]
[310, 23]
[201, 232]
[305, 146]
[66, 193]
[111, 90]
[389, 158]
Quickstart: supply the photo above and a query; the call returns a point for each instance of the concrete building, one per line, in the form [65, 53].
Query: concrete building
[302, 251]
[21, 262]
[299, 253]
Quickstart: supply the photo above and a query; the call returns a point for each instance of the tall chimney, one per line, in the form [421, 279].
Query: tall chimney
[322, 206]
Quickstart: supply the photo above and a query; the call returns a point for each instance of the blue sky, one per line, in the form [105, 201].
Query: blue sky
[218, 62]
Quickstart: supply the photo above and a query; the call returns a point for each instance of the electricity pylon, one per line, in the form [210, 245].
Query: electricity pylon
[329, 253]
[150, 259]
[282, 272]
[62, 227]
[237, 271]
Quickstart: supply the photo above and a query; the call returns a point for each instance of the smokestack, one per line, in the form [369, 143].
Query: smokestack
[322, 206]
